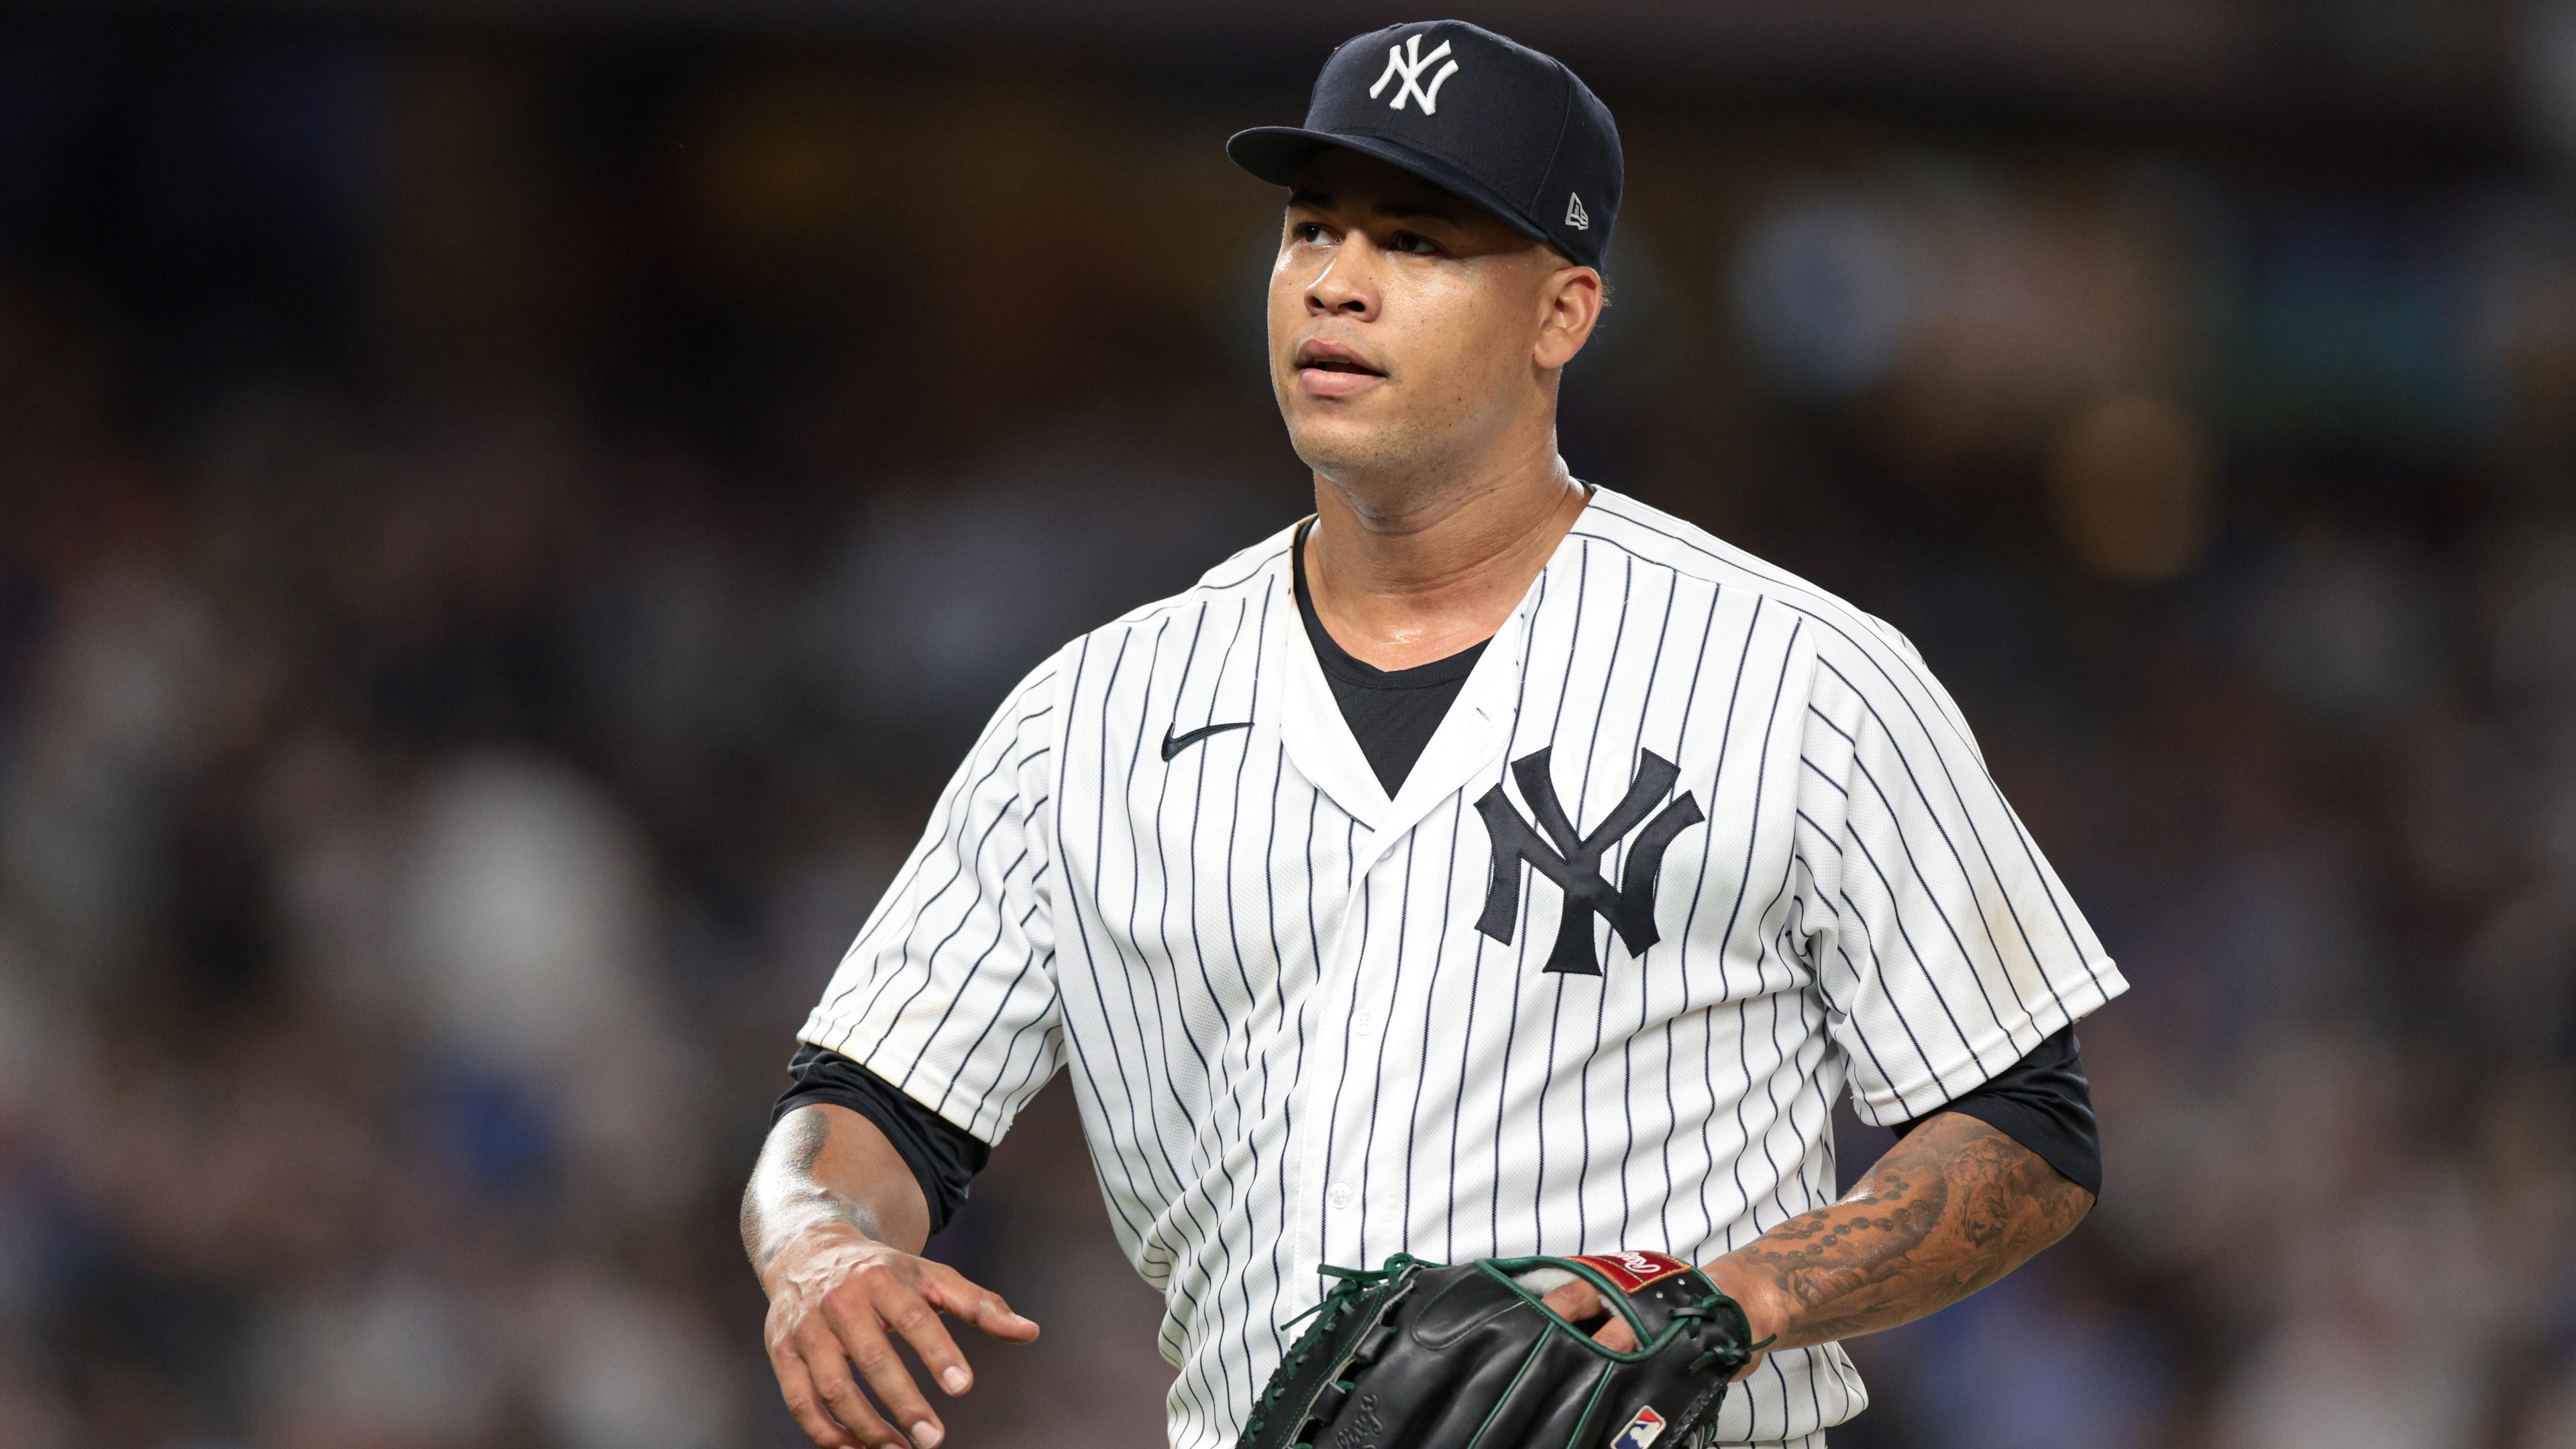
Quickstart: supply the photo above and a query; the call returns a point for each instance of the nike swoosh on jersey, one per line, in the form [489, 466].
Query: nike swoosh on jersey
[1173, 744]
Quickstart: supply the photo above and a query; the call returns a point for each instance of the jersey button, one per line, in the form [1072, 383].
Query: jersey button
[1365, 1023]
[1341, 1197]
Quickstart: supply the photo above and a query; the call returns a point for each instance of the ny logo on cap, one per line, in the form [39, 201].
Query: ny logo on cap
[1405, 64]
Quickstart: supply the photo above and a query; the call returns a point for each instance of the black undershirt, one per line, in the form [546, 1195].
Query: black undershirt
[1391, 712]
[2042, 1101]
[943, 1157]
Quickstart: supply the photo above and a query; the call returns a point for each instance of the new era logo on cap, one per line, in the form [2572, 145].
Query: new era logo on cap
[1517, 134]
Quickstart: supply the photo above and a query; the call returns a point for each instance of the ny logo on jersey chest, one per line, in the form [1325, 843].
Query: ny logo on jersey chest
[1573, 860]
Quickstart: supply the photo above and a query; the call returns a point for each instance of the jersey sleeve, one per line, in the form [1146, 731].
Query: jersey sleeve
[1944, 946]
[949, 991]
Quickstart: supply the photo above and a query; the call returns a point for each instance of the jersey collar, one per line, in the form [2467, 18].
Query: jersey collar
[1464, 749]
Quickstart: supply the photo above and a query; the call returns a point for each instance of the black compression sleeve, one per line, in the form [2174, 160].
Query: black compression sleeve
[2043, 1103]
[944, 1157]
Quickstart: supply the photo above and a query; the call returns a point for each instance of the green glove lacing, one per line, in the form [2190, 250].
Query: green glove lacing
[1693, 1315]
[1355, 1284]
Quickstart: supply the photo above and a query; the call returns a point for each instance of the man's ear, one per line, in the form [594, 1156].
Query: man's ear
[1570, 302]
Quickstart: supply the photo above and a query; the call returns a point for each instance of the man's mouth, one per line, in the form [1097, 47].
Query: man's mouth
[1327, 369]
[1332, 357]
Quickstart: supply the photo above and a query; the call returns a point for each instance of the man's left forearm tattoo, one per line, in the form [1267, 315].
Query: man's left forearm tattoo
[1951, 1208]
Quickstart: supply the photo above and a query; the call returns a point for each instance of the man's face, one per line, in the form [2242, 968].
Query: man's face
[1408, 326]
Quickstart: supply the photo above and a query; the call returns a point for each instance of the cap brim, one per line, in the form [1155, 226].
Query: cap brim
[1277, 153]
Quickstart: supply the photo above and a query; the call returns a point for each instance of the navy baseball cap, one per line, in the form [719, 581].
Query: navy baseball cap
[1471, 112]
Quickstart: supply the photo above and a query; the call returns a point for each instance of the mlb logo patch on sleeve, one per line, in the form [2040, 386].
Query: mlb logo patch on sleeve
[1641, 1432]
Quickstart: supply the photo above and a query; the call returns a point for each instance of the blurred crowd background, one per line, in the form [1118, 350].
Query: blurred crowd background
[507, 518]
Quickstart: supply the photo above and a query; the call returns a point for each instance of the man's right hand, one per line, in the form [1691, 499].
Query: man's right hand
[838, 1297]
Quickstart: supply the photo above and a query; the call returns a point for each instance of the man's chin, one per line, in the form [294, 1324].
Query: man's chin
[1340, 447]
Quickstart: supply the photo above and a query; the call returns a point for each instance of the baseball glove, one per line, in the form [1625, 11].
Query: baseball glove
[1420, 1355]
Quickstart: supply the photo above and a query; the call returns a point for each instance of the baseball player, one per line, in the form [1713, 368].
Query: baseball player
[1485, 865]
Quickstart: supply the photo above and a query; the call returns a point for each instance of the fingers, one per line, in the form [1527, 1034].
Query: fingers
[1579, 1302]
[1574, 1302]
[803, 1404]
[824, 1362]
[911, 1315]
[953, 1292]
[856, 1323]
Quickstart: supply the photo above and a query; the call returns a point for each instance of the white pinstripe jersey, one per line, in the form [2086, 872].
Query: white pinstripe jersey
[1293, 1044]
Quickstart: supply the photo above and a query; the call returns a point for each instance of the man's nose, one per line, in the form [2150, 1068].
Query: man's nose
[1347, 286]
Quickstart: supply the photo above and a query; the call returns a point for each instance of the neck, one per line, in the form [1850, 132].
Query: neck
[1403, 575]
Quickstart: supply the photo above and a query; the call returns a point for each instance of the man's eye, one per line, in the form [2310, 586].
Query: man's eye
[1308, 232]
[1411, 242]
